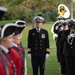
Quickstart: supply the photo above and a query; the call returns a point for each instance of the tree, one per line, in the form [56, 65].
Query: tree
[32, 6]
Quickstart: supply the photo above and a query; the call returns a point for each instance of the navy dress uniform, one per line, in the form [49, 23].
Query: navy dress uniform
[17, 50]
[38, 45]
[5, 51]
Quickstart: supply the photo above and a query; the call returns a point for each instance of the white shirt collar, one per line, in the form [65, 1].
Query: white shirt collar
[4, 49]
[14, 44]
[39, 29]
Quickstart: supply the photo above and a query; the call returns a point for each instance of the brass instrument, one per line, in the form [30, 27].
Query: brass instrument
[70, 40]
[63, 11]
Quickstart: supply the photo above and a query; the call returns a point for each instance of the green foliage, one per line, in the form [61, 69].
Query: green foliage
[26, 15]
[27, 9]
[53, 17]
[17, 2]
[7, 21]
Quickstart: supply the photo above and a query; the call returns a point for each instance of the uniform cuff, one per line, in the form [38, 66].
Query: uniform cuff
[29, 50]
[47, 51]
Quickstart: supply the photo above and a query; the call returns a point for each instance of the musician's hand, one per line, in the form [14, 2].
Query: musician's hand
[66, 27]
[61, 28]
[71, 35]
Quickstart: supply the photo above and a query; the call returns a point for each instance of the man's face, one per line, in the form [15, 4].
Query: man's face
[38, 24]
[7, 41]
[63, 26]
[17, 38]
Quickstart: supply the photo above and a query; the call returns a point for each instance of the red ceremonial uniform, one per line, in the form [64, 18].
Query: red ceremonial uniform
[2, 69]
[18, 48]
[7, 31]
[11, 69]
[22, 55]
[16, 59]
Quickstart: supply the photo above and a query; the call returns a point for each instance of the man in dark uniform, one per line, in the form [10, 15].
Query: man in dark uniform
[55, 30]
[62, 28]
[38, 44]
[69, 48]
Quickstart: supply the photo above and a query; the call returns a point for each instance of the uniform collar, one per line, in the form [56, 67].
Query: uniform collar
[4, 49]
[14, 44]
[38, 29]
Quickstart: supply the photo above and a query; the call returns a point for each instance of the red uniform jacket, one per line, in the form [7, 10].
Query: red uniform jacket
[11, 69]
[16, 59]
[2, 69]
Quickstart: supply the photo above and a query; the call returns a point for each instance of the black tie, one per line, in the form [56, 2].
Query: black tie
[38, 30]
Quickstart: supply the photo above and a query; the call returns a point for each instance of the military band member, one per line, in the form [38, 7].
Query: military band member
[38, 45]
[5, 43]
[17, 50]
[63, 28]
[54, 30]
[69, 48]
[58, 30]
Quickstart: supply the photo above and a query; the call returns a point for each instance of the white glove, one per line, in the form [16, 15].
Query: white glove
[47, 55]
[55, 36]
[29, 55]
[56, 28]
[71, 35]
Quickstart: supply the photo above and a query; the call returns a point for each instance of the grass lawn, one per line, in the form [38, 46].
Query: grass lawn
[52, 66]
